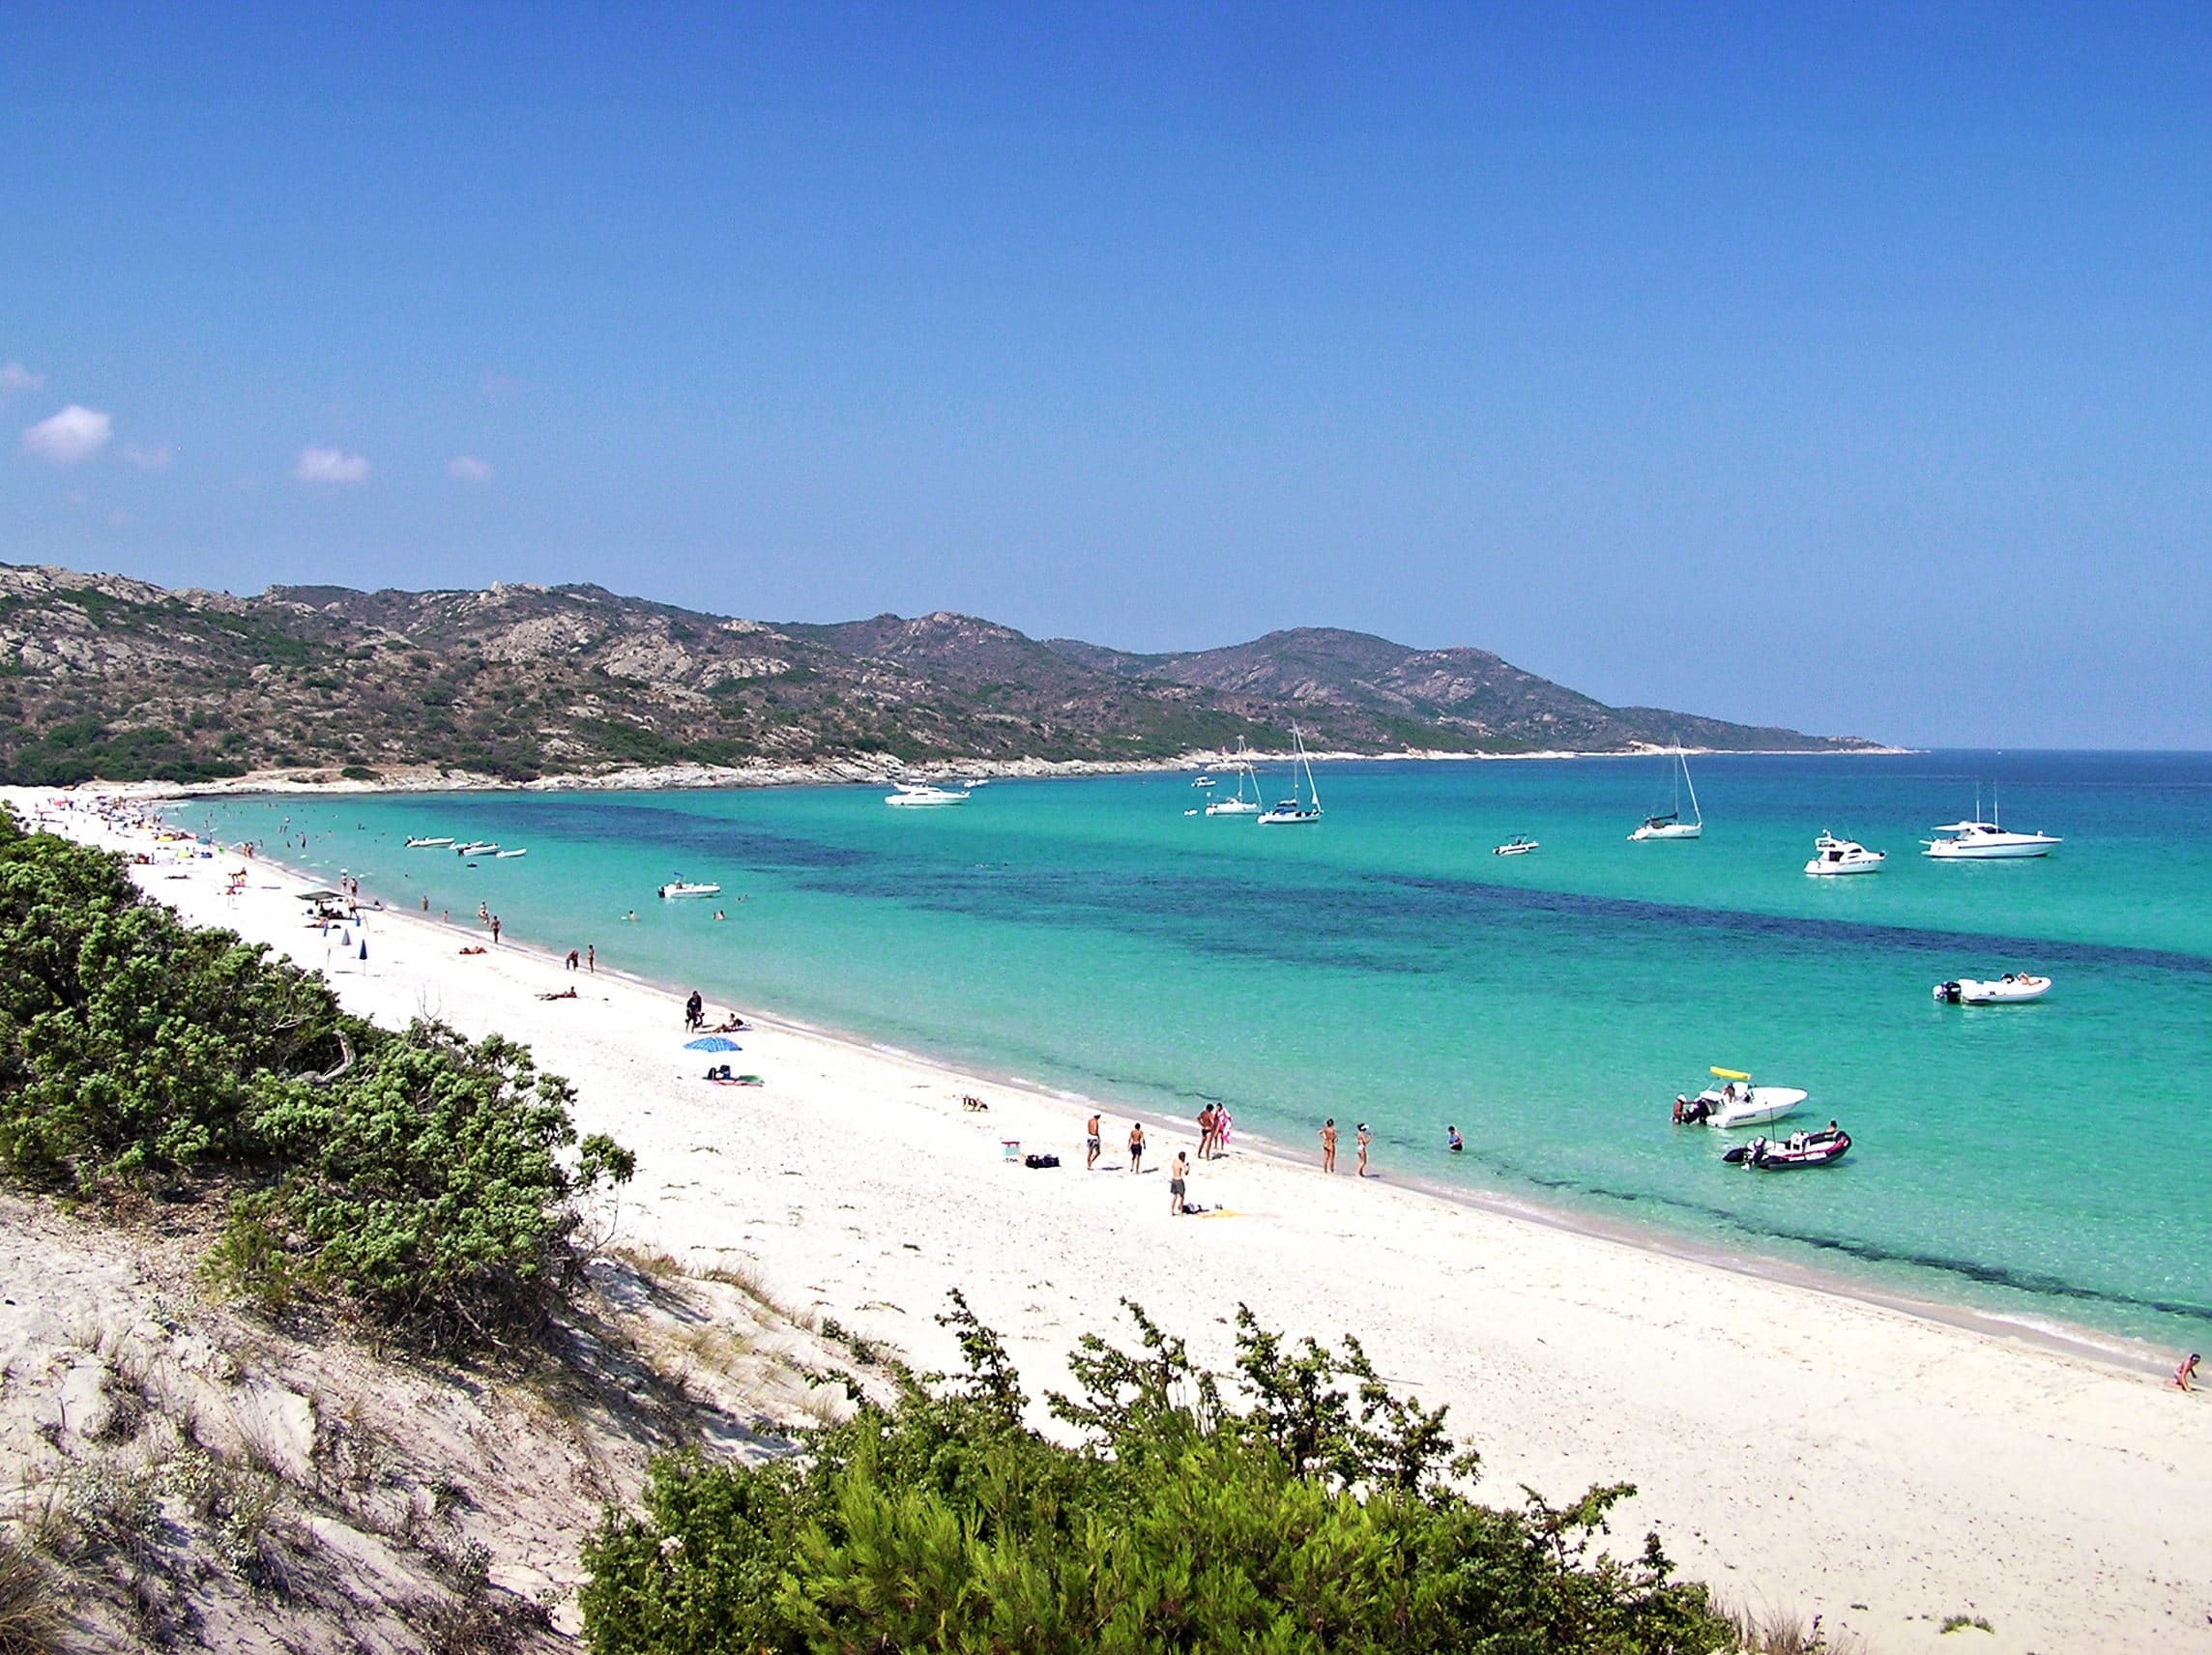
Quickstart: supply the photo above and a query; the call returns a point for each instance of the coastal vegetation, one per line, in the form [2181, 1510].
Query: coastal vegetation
[105, 678]
[1300, 1504]
[423, 1182]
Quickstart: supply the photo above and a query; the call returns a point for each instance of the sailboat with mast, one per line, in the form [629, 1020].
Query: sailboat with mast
[1669, 825]
[1300, 806]
[1248, 801]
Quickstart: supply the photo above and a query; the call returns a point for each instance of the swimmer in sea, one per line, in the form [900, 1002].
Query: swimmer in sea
[1451, 1140]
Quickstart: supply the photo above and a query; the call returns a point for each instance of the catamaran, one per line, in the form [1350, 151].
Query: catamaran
[1246, 775]
[1297, 808]
[1669, 825]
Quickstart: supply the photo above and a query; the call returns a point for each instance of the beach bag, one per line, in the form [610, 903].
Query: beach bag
[1041, 1160]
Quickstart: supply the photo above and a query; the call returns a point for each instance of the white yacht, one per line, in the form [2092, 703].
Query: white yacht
[1298, 807]
[1243, 805]
[686, 888]
[428, 844]
[1979, 841]
[1833, 855]
[1669, 823]
[916, 793]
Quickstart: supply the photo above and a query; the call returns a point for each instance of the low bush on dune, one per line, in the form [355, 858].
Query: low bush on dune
[422, 1179]
[1299, 1507]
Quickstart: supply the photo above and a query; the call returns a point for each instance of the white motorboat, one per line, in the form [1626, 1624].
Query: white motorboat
[1979, 841]
[1242, 805]
[1298, 807]
[1736, 1102]
[1833, 855]
[915, 793]
[974, 782]
[429, 844]
[687, 888]
[1669, 823]
[1519, 845]
[475, 847]
[1202, 781]
[2011, 988]
[518, 851]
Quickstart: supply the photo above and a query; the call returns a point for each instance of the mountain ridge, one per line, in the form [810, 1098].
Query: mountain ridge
[111, 678]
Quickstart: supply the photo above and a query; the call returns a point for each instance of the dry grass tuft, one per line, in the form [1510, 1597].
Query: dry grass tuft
[32, 1622]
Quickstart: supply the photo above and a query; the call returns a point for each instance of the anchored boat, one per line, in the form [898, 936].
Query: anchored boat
[1832, 855]
[1736, 1102]
[2011, 988]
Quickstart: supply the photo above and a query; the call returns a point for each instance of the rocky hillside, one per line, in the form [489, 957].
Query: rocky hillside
[110, 678]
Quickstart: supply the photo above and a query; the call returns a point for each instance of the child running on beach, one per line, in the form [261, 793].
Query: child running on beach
[1178, 1176]
[1329, 1145]
[1136, 1145]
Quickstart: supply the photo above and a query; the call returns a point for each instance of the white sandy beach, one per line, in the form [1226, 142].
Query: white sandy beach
[1880, 1467]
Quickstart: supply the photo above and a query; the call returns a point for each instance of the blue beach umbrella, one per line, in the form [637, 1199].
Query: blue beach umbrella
[712, 1043]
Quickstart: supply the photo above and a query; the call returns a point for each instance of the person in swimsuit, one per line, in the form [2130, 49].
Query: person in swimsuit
[2183, 1374]
[1205, 1132]
[1329, 1145]
[590, 956]
[1091, 1143]
[495, 930]
[1136, 1145]
[1178, 1174]
[1451, 1140]
[1365, 1138]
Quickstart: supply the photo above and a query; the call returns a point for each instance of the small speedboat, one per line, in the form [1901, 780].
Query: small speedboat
[1736, 1102]
[1519, 845]
[1833, 855]
[923, 792]
[686, 888]
[1799, 1149]
[2010, 989]
[429, 844]
[518, 851]
[475, 847]
[1202, 781]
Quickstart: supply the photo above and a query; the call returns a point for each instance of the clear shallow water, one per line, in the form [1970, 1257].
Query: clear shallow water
[2045, 1160]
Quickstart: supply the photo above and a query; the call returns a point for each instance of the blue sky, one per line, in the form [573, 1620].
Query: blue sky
[1848, 366]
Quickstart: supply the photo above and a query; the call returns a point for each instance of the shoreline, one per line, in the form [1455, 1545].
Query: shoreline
[1901, 1460]
[881, 770]
[2055, 1332]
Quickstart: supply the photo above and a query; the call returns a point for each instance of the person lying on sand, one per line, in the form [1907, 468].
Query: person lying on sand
[565, 994]
[474, 948]
[732, 1025]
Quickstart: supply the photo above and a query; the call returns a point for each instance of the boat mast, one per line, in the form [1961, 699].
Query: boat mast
[1683, 759]
[1312, 787]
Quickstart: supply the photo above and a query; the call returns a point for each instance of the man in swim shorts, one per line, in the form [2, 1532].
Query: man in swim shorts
[1176, 1177]
[1091, 1143]
[1136, 1145]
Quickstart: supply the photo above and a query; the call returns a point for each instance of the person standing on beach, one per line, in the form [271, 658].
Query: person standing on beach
[1091, 1143]
[694, 1010]
[1329, 1145]
[1365, 1138]
[590, 956]
[1205, 1132]
[1178, 1176]
[1136, 1146]
[495, 930]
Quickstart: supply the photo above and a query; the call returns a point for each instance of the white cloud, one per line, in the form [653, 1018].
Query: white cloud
[464, 469]
[156, 458]
[73, 435]
[328, 465]
[14, 377]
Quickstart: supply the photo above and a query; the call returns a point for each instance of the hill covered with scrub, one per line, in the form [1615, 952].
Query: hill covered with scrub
[111, 679]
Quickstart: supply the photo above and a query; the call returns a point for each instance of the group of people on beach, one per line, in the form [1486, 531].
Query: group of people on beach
[1329, 1134]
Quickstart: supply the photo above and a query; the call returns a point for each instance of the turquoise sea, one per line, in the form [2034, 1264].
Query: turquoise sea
[2048, 1160]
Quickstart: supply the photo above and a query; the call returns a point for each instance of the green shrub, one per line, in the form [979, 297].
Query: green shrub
[1323, 1514]
[420, 1177]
